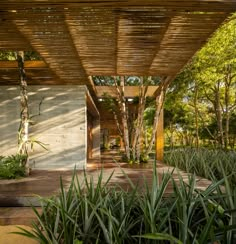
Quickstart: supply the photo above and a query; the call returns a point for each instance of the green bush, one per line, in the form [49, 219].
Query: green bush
[204, 162]
[12, 167]
[97, 213]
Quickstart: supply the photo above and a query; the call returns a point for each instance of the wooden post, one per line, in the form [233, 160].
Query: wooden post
[160, 138]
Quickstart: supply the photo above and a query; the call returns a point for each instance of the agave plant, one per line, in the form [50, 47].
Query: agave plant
[203, 162]
[98, 213]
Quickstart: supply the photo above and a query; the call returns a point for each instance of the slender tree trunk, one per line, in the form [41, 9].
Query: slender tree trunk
[204, 124]
[139, 125]
[227, 118]
[227, 102]
[23, 132]
[24, 116]
[117, 123]
[196, 115]
[219, 115]
[159, 106]
[124, 114]
[160, 97]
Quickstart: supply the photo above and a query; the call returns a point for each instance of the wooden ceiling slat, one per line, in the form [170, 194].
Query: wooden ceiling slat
[111, 37]
[182, 40]
[139, 37]
[93, 33]
[50, 42]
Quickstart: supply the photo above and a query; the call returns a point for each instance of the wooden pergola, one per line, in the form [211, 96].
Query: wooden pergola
[77, 39]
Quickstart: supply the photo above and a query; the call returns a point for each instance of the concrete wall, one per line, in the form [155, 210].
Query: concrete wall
[9, 119]
[59, 120]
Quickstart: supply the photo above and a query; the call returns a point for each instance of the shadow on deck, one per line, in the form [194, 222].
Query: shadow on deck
[16, 196]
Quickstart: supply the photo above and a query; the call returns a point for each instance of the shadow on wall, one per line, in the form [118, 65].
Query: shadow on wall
[58, 115]
[57, 160]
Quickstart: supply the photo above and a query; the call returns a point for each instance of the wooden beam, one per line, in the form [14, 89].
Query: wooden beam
[91, 106]
[182, 5]
[160, 138]
[28, 64]
[130, 91]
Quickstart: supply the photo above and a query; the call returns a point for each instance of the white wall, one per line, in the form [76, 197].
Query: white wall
[61, 125]
[9, 119]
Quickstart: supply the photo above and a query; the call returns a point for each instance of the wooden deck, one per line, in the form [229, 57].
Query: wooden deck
[16, 196]
[47, 183]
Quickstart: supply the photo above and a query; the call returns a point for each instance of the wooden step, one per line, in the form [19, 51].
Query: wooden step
[17, 215]
[19, 201]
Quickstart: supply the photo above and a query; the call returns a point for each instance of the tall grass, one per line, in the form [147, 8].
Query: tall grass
[101, 214]
[204, 162]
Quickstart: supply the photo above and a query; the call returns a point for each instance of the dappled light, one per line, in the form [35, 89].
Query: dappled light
[87, 89]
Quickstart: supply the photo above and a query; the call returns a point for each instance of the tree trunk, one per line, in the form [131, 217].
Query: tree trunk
[139, 125]
[227, 102]
[23, 131]
[124, 114]
[24, 116]
[117, 123]
[160, 97]
[196, 115]
[219, 115]
[159, 106]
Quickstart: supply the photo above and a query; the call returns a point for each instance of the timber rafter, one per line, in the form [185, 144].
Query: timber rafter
[77, 39]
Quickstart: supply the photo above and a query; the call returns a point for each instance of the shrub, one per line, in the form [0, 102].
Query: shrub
[204, 162]
[12, 167]
[101, 214]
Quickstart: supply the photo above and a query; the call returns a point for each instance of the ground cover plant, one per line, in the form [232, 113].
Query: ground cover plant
[101, 214]
[204, 162]
[12, 167]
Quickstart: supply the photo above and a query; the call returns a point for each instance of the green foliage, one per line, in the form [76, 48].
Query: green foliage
[204, 162]
[143, 158]
[7, 55]
[129, 80]
[95, 213]
[12, 167]
[11, 55]
[201, 100]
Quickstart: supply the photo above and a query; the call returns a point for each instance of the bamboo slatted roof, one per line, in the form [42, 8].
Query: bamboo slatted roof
[77, 39]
